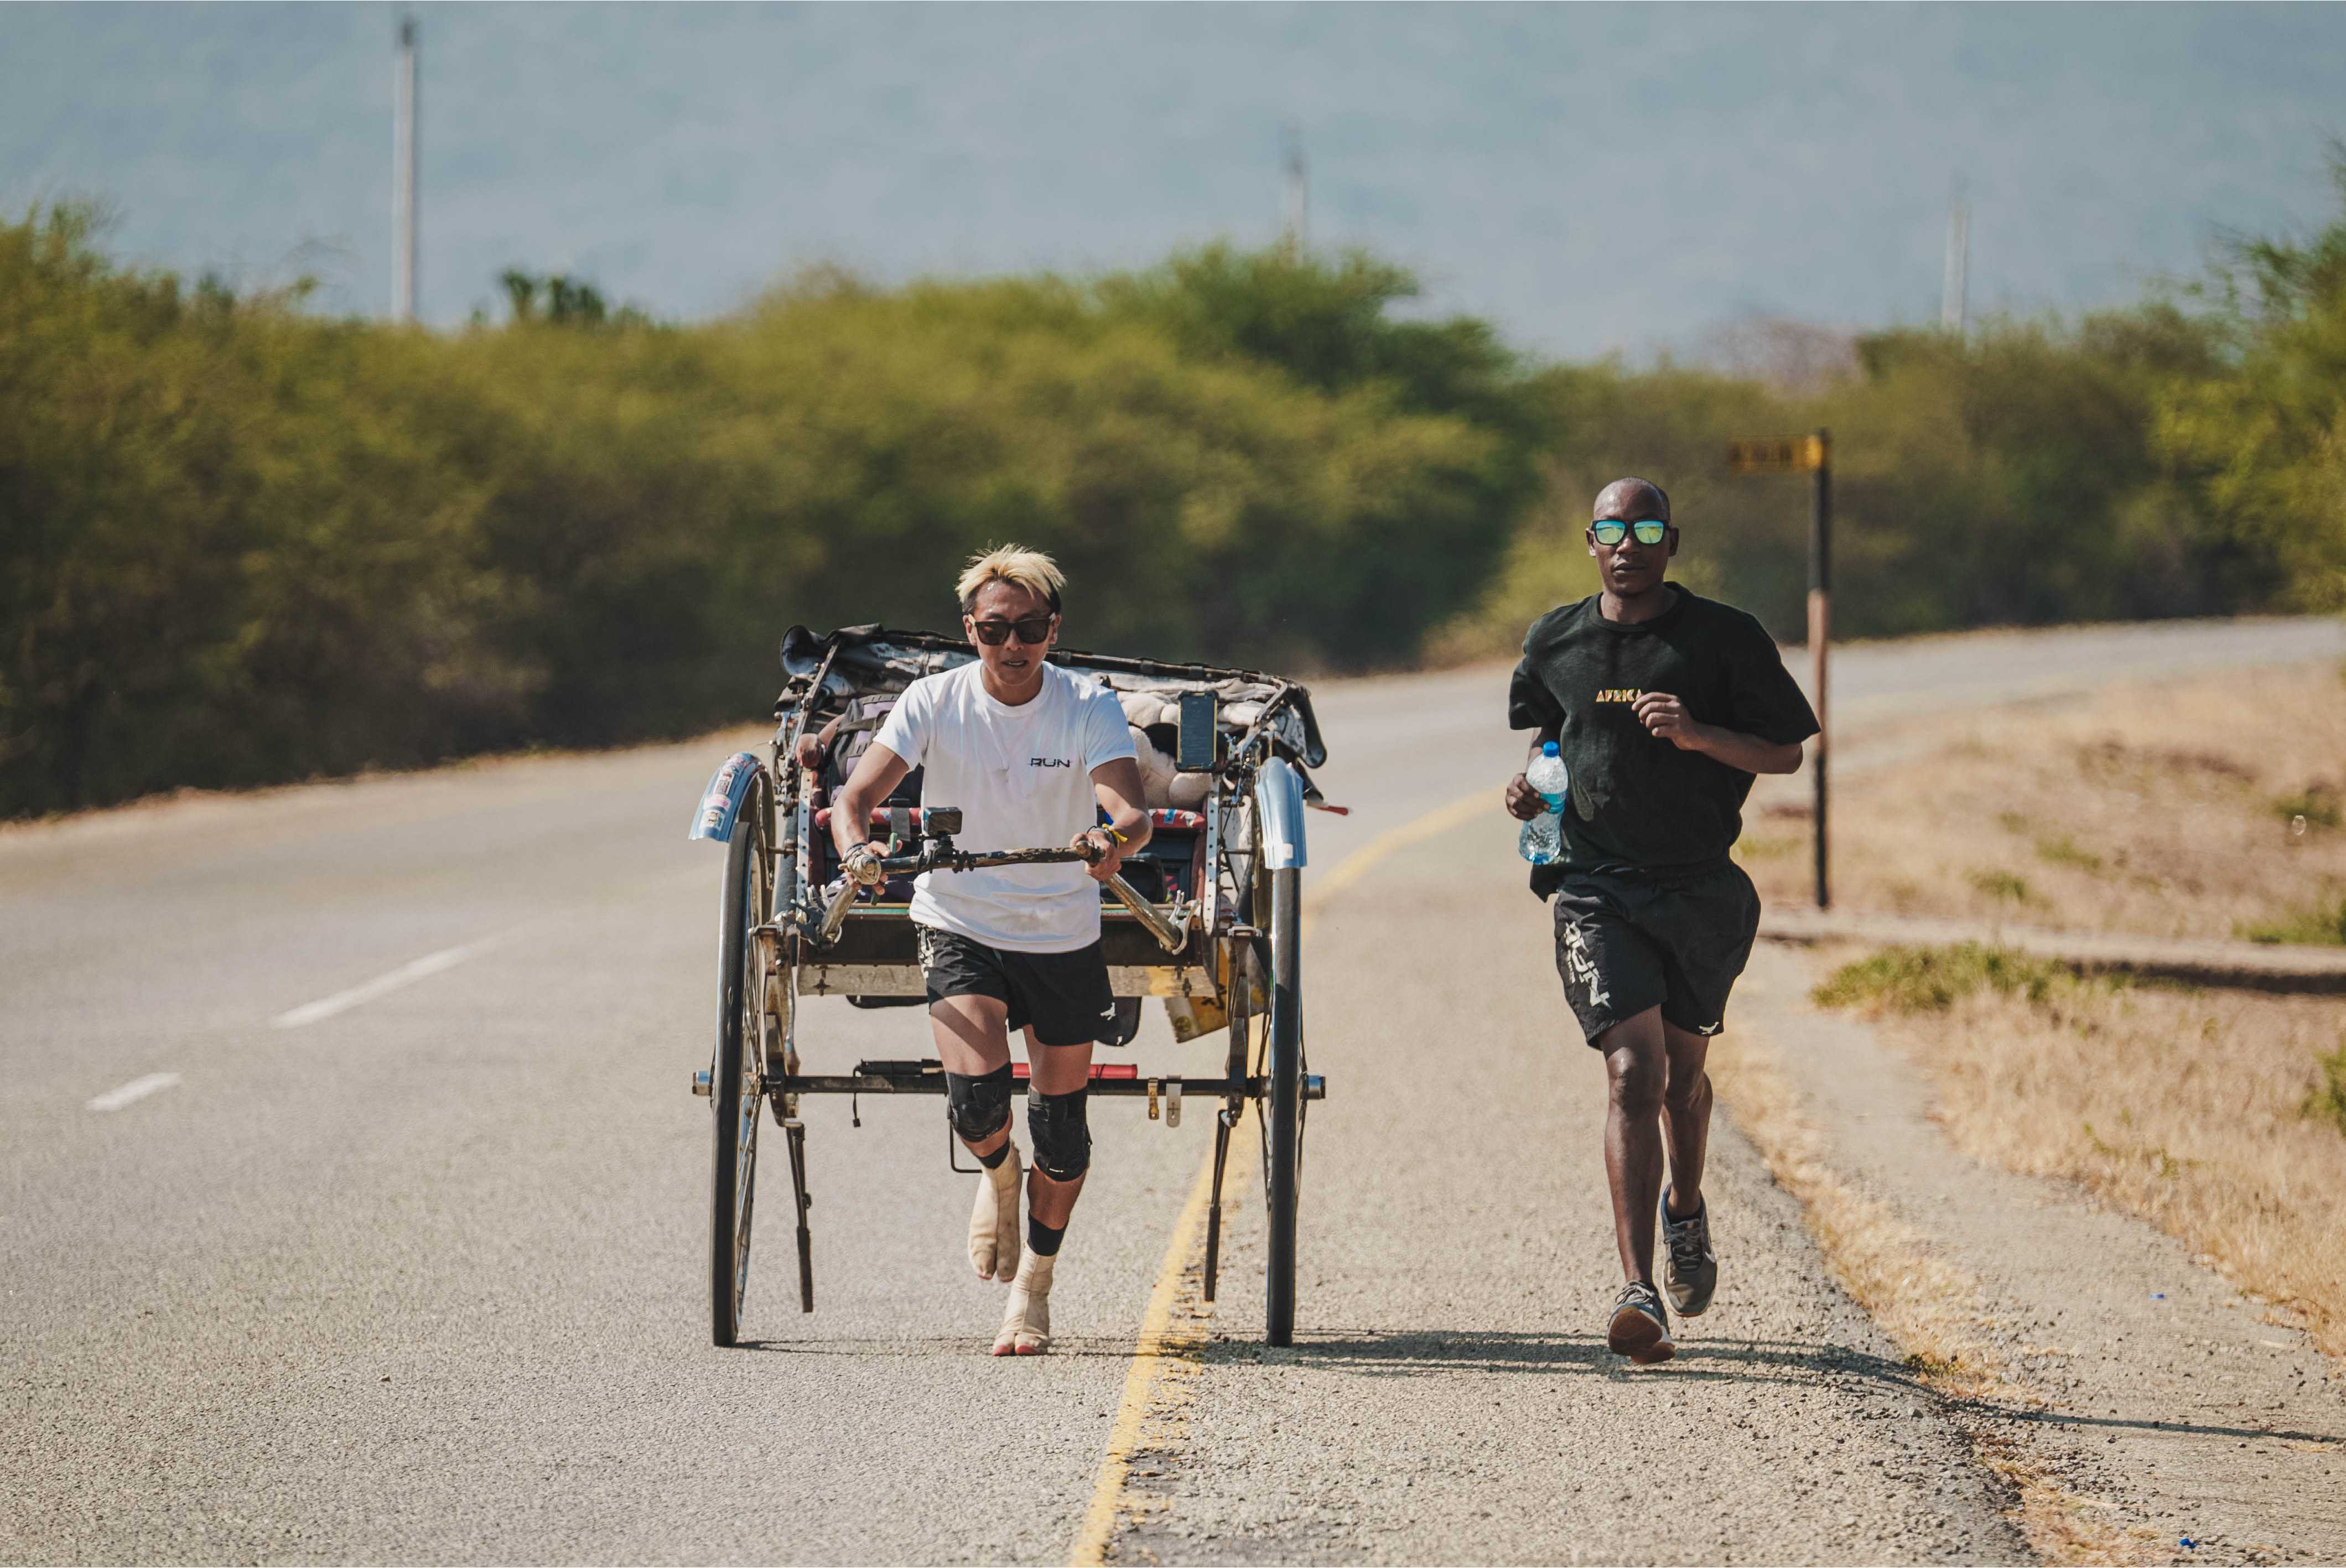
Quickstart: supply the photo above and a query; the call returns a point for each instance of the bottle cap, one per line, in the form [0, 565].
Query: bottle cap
[1547, 747]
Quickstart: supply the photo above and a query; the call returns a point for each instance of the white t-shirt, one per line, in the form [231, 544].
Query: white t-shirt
[1023, 778]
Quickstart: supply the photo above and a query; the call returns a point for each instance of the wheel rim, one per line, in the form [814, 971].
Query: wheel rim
[739, 1067]
[1282, 1102]
[752, 1028]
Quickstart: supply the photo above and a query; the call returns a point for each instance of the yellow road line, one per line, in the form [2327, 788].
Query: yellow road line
[1174, 1324]
[1364, 859]
[1161, 1346]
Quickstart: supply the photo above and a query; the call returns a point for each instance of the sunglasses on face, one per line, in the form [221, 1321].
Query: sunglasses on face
[1613, 530]
[993, 634]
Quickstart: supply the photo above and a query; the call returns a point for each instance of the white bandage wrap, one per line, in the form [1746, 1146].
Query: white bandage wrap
[994, 1223]
[1026, 1317]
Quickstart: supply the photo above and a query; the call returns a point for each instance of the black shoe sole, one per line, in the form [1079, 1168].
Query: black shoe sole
[1639, 1337]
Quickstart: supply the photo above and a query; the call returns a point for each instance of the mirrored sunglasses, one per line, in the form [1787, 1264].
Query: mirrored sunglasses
[1613, 530]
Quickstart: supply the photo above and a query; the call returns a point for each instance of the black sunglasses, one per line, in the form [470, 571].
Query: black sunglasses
[1613, 530]
[993, 634]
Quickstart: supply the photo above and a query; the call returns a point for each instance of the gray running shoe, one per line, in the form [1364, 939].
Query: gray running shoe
[1640, 1328]
[1690, 1268]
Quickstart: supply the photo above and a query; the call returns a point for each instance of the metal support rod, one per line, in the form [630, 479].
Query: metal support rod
[1214, 1206]
[797, 1131]
[1315, 1086]
[1821, 637]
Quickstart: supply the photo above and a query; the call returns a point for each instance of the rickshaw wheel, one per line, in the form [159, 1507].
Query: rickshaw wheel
[1282, 1109]
[736, 1077]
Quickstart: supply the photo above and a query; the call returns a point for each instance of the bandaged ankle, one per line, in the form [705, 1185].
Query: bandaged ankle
[1026, 1316]
[1034, 1277]
[993, 1217]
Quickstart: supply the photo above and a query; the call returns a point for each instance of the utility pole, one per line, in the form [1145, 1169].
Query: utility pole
[1298, 238]
[403, 178]
[1954, 294]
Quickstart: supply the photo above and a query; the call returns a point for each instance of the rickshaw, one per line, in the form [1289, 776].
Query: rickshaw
[1207, 918]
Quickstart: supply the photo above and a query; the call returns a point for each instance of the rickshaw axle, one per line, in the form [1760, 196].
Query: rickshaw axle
[929, 1078]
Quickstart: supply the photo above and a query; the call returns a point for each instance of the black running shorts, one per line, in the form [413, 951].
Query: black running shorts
[1063, 996]
[1678, 940]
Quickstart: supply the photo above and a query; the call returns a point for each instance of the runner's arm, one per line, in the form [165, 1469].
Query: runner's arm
[1116, 783]
[1667, 717]
[877, 771]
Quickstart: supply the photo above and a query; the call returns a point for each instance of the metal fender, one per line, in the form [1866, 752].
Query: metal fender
[720, 803]
[1278, 807]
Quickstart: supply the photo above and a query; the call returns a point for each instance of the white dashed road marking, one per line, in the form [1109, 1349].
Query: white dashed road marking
[137, 1089]
[431, 964]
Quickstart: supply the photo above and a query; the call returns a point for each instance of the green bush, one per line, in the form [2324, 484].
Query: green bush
[2321, 925]
[2328, 1100]
[244, 544]
[1932, 979]
[2061, 850]
[2013, 477]
[240, 543]
[2317, 803]
[2265, 442]
[1999, 884]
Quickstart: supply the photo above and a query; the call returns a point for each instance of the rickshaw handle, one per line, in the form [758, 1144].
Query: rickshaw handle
[1168, 937]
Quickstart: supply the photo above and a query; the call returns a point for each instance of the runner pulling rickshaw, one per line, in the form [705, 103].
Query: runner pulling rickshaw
[1025, 842]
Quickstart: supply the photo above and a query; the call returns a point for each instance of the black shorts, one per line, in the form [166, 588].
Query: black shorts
[1064, 997]
[1676, 940]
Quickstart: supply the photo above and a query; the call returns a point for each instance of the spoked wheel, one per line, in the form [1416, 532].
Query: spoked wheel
[1282, 1104]
[737, 1078]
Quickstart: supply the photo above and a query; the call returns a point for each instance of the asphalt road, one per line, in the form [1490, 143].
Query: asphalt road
[386, 1243]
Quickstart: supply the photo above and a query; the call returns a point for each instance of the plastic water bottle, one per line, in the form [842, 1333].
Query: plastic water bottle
[1542, 840]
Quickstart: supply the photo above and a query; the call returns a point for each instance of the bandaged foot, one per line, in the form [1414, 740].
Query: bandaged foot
[994, 1222]
[1026, 1319]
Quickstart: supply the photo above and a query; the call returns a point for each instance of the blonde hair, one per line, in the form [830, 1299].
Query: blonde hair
[1030, 569]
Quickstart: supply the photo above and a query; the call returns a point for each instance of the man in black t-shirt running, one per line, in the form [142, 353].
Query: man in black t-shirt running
[1663, 706]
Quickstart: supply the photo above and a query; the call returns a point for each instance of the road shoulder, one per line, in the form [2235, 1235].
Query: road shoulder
[2139, 1398]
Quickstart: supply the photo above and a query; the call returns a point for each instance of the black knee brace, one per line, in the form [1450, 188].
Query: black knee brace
[1062, 1137]
[978, 1107]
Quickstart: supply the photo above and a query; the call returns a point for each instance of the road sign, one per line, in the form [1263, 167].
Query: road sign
[1777, 454]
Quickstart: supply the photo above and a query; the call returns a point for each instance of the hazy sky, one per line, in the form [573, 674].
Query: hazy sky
[1593, 176]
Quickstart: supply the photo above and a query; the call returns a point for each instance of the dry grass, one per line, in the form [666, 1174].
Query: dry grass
[2219, 1116]
[1932, 1309]
[2206, 810]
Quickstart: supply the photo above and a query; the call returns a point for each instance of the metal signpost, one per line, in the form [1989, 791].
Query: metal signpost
[1811, 454]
